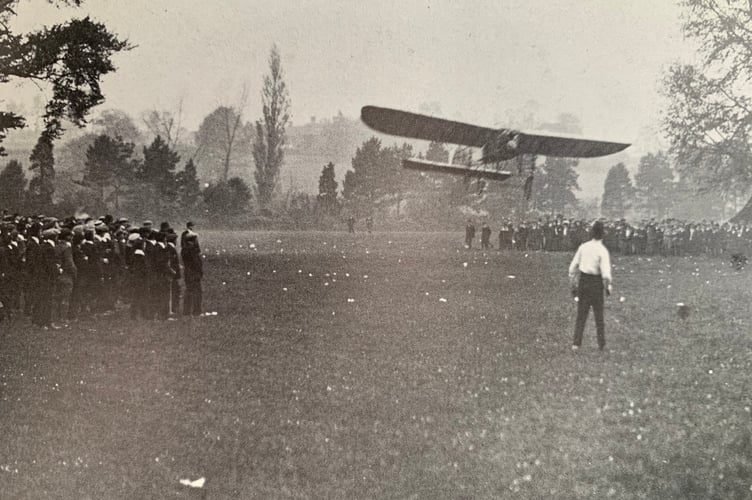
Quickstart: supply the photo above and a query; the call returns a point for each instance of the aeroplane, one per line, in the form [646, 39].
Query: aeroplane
[497, 145]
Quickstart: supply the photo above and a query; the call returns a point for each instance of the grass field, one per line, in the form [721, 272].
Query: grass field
[390, 366]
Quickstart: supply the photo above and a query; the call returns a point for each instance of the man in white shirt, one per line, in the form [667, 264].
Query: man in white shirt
[593, 262]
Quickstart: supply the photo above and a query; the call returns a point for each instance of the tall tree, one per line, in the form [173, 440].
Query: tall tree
[268, 152]
[188, 185]
[654, 183]
[42, 185]
[71, 57]
[223, 140]
[328, 190]
[12, 187]
[618, 192]
[109, 168]
[556, 183]
[157, 174]
[361, 180]
[709, 116]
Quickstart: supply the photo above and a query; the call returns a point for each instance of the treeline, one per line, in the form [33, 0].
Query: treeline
[659, 191]
[107, 173]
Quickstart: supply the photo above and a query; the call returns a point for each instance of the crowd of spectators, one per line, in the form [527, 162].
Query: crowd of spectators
[56, 271]
[649, 237]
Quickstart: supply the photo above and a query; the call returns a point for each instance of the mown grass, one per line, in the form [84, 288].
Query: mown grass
[381, 366]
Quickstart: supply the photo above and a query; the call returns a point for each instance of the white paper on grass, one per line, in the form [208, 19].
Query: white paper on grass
[198, 483]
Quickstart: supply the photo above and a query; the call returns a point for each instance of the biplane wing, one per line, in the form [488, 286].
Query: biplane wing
[569, 147]
[447, 168]
[415, 126]
[498, 144]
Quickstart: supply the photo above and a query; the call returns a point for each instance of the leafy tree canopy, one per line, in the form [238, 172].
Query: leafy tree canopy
[71, 57]
[709, 115]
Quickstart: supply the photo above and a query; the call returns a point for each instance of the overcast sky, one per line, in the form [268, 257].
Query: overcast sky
[598, 59]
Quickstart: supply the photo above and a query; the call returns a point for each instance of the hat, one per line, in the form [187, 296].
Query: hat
[164, 227]
[148, 223]
[65, 233]
[50, 233]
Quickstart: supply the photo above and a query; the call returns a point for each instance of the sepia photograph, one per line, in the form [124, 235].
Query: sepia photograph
[418, 249]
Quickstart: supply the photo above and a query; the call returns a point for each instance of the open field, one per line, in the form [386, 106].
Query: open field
[381, 366]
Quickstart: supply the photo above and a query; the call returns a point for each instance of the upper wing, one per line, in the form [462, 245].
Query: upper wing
[551, 145]
[415, 126]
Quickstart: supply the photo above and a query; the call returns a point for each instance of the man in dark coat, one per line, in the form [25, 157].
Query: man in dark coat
[31, 268]
[162, 275]
[6, 273]
[174, 263]
[193, 273]
[67, 276]
[485, 236]
[139, 276]
[469, 234]
[48, 272]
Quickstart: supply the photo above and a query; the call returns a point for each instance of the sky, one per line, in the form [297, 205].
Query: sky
[478, 61]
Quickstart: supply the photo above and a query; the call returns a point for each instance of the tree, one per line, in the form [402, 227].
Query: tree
[556, 182]
[709, 116]
[392, 179]
[117, 123]
[42, 185]
[618, 192]
[360, 182]
[654, 183]
[165, 124]
[188, 186]
[109, 168]
[328, 190]
[70, 57]
[12, 187]
[437, 152]
[227, 198]
[156, 175]
[268, 152]
[223, 140]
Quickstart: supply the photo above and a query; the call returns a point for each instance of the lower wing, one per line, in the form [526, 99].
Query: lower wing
[483, 171]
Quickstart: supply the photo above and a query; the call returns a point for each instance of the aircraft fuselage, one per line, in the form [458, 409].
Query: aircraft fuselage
[501, 147]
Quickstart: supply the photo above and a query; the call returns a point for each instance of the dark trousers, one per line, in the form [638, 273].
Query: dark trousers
[174, 296]
[192, 300]
[42, 314]
[590, 293]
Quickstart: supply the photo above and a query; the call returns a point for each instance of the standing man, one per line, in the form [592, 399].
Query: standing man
[469, 234]
[485, 236]
[188, 230]
[174, 262]
[194, 272]
[593, 262]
